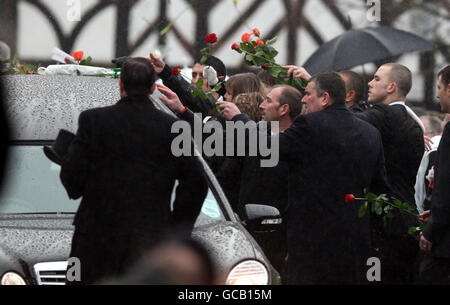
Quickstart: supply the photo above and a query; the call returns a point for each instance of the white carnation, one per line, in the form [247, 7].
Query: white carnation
[156, 53]
[211, 75]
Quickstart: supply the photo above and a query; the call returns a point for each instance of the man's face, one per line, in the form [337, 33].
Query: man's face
[443, 95]
[312, 101]
[197, 72]
[270, 107]
[378, 87]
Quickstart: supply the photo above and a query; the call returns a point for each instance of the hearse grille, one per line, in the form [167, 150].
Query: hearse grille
[51, 273]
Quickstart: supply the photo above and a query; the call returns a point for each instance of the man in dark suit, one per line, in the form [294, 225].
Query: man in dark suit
[121, 163]
[435, 240]
[404, 147]
[330, 153]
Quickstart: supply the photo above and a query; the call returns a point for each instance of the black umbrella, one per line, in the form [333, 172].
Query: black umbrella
[360, 46]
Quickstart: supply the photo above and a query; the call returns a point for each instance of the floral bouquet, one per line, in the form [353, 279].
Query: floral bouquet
[260, 52]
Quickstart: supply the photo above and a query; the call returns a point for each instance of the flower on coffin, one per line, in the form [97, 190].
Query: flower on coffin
[78, 56]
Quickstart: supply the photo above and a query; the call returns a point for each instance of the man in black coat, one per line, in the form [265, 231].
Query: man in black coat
[435, 267]
[330, 153]
[245, 181]
[121, 163]
[404, 147]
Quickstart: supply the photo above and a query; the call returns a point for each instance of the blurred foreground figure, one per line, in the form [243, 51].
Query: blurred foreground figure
[177, 261]
[122, 165]
[435, 240]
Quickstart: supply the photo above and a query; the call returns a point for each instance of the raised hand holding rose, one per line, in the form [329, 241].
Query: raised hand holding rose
[261, 53]
[297, 72]
[157, 63]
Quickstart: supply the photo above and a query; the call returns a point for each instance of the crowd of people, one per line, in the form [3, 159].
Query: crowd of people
[331, 143]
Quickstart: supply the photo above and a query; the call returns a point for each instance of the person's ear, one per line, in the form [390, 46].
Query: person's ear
[350, 96]
[326, 100]
[284, 110]
[122, 87]
[392, 87]
[152, 89]
[448, 89]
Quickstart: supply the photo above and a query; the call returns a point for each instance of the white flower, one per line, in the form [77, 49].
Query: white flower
[156, 53]
[211, 75]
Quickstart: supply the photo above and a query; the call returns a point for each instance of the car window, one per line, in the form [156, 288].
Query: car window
[32, 185]
[210, 212]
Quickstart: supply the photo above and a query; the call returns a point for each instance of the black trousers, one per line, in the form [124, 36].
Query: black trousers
[434, 271]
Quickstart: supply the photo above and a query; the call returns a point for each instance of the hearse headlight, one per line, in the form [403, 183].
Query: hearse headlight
[249, 272]
[12, 278]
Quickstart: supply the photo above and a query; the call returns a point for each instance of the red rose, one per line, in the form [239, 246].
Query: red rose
[260, 42]
[256, 32]
[349, 198]
[247, 37]
[211, 38]
[78, 55]
[431, 185]
[235, 47]
[266, 66]
[21, 67]
[176, 70]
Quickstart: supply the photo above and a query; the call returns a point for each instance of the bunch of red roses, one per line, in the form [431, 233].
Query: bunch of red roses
[260, 52]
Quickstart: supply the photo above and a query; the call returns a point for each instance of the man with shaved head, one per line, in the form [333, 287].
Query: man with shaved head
[403, 142]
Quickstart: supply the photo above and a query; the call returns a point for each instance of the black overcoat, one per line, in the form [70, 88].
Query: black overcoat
[403, 145]
[121, 164]
[438, 227]
[329, 153]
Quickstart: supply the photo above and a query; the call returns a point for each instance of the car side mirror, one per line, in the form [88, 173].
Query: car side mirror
[262, 218]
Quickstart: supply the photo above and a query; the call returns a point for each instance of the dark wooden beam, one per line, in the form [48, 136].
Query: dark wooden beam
[8, 29]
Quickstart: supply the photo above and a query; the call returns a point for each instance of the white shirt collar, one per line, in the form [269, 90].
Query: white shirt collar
[397, 103]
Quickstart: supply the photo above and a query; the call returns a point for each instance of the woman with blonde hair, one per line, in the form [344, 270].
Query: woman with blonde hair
[247, 92]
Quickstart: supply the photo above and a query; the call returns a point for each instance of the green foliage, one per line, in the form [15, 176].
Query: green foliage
[383, 206]
[264, 56]
[86, 62]
[14, 66]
